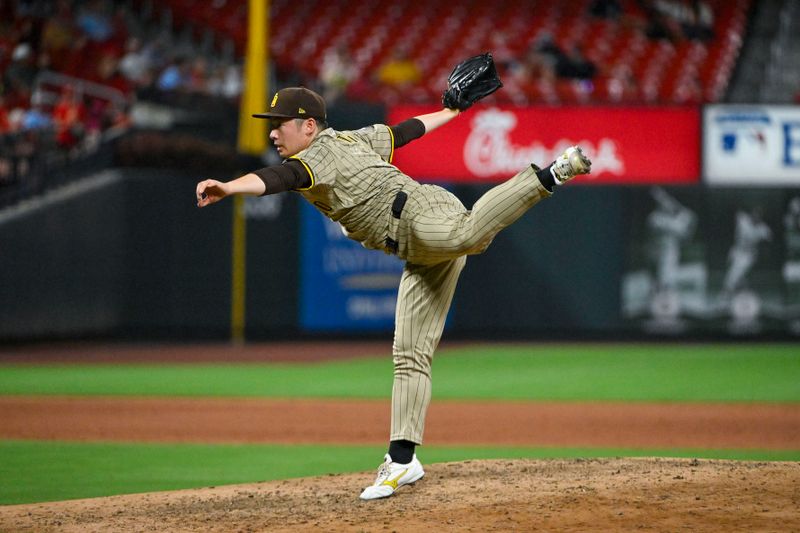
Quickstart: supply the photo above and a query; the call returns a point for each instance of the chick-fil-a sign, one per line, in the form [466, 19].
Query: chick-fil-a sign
[626, 145]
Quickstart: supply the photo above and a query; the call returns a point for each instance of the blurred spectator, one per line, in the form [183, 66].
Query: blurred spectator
[36, 118]
[336, 73]
[657, 25]
[174, 77]
[115, 118]
[20, 74]
[232, 81]
[548, 50]
[15, 117]
[94, 20]
[68, 115]
[532, 67]
[156, 52]
[95, 111]
[698, 23]
[547, 60]
[58, 34]
[135, 65]
[673, 19]
[609, 9]
[102, 116]
[400, 71]
[575, 65]
[216, 80]
[196, 80]
[108, 74]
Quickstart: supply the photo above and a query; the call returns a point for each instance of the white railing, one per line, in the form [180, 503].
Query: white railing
[49, 85]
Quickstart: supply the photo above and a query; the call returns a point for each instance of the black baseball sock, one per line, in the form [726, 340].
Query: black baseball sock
[545, 177]
[401, 451]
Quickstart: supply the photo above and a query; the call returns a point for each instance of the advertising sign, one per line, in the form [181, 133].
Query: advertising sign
[751, 145]
[344, 286]
[626, 145]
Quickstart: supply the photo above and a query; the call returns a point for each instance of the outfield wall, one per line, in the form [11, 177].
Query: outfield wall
[698, 245]
[127, 254]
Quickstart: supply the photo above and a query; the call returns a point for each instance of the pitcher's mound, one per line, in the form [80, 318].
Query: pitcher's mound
[497, 495]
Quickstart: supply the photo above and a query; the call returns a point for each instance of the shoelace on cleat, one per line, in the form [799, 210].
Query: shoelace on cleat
[383, 472]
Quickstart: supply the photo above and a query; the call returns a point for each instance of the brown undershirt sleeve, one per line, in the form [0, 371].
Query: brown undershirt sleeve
[407, 131]
[289, 175]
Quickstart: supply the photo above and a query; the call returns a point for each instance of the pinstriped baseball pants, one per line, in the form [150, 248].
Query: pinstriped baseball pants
[435, 235]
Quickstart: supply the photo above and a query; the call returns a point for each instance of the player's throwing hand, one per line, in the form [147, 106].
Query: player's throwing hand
[209, 192]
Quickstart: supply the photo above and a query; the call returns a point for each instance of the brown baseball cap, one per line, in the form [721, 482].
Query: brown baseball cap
[296, 102]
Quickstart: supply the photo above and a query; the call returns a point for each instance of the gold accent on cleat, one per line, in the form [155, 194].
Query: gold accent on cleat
[393, 482]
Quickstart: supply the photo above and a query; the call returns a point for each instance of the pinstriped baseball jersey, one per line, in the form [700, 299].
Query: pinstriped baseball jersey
[353, 181]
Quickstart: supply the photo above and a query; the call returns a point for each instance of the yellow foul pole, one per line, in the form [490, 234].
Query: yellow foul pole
[252, 140]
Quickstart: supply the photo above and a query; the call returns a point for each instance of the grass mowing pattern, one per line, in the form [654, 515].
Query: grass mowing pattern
[624, 372]
[36, 471]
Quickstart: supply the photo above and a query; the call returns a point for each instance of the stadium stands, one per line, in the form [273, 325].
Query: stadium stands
[661, 51]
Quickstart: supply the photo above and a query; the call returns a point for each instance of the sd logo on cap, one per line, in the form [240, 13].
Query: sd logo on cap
[296, 102]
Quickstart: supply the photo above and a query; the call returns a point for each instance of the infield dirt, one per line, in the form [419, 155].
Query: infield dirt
[497, 495]
[342, 421]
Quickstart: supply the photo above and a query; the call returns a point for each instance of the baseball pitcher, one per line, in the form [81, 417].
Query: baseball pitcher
[349, 177]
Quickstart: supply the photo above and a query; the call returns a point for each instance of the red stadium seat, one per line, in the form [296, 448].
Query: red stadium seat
[303, 30]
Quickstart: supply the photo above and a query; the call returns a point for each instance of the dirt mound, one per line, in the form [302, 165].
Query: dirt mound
[499, 495]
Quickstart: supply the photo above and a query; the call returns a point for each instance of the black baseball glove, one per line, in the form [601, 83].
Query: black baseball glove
[471, 80]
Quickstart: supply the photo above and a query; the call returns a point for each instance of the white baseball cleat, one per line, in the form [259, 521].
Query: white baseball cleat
[570, 164]
[392, 476]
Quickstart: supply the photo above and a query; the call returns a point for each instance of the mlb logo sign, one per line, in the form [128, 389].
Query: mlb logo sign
[743, 133]
[729, 140]
[751, 145]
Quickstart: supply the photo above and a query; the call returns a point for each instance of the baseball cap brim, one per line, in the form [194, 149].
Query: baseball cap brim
[273, 115]
[281, 115]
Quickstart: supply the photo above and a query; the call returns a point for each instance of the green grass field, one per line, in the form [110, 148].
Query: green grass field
[682, 373]
[42, 471]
